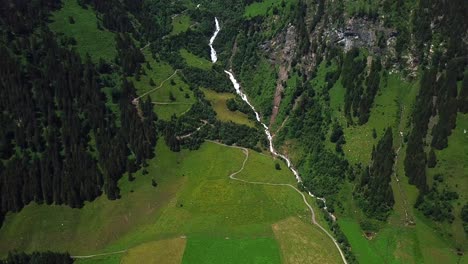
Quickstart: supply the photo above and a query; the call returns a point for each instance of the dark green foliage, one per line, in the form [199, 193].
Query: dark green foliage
[464, 217]
[231, 105]
[463, 96]
[170, 135]
[214, 79]
[231, 133]
[415, 160]
[131, 177]
[129, 56]
[236, 104]
[337, 133]
[37, 258]
[154, 183]
[431, 160]
[422, 27]
[374, 187]
[372, 86]
[138, 125]
[374, 133]
[358, 101]
[447, 108]
[277, 166]
[71, 20]
[171, 96]
[437, 204]
[57, 97]
[352, 78]
[323, 171]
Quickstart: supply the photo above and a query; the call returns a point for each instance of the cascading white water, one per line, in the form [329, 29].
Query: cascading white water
[237, 87]
[214, 57]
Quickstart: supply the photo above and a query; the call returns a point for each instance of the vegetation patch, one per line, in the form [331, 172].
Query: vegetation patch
[195, 61]
[82, 25]
[169, 93]
[158, 252]
[206, 250]
[180, 23]
[265, 7]
[218, 102]
[303, 243]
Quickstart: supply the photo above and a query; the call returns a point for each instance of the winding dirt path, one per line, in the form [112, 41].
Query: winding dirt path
[408, 219]
[135, 100]
[99, 255]
[232, 176]
[170, 103]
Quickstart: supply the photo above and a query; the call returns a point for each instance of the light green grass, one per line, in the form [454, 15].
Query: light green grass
[227, 250]
[303, 243]
[393, 94]
[194, 198]
[180, 23]
[109, 259]
[159, 72]
[218, 102]
[97, 43]
[453, 165]
[195, 61]
[263, 8]
[167, 251]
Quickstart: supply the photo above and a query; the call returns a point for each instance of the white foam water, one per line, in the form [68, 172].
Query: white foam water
[214, 57]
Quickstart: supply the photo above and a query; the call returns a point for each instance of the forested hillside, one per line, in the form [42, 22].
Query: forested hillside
[117, 108]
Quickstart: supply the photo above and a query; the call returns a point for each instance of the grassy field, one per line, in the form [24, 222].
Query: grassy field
[108, 259]
[208, 250]
[98, 43]
[158, 252]
[296, 237]
[394, 94]
[218, 102]
[453, 165]
[264, 7]
[160, 72]
[195, 61]
[186, 204]
[180, 23]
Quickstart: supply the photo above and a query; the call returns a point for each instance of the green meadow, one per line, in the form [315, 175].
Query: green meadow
[194, 201]
[195, 61]
[90, 40]
[218, 102]
[166, 81]
[265, 7]
[396, 241]
[180, 23]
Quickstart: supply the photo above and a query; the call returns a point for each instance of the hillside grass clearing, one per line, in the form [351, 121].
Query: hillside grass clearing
[180, 23]
[193, 60]
[302, 243]
[167, 251]
[165, 83]
[218, 102]
[97, 43]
